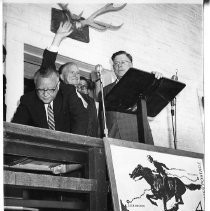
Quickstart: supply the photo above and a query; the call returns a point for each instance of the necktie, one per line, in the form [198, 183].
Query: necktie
[51, 122]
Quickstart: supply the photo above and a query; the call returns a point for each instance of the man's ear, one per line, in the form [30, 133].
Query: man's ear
[61, 77]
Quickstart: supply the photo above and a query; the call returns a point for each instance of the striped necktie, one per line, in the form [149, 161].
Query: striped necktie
[51, 121]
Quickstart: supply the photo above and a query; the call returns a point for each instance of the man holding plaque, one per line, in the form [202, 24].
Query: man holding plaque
[123, 125]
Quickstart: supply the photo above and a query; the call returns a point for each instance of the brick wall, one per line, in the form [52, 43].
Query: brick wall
[161, 37]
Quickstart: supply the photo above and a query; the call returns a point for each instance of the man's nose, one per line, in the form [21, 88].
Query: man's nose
[120, 64]
[74, 73]
[45, 93]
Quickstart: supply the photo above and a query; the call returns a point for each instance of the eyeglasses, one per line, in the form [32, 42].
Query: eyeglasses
[48, 91]
[116, 64]
[82, 87]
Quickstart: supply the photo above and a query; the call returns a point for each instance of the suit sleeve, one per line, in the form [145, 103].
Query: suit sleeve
[78, 114]
[22, 115]
[49, 59]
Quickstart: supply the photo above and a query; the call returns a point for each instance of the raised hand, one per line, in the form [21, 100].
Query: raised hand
[63, 31]
[158, 75]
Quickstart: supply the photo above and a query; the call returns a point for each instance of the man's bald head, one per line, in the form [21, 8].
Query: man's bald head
[70, 73]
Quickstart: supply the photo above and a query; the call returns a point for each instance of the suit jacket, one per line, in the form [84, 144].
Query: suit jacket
[93, 123]
[92, 126]
[123, 125]
[69, 113]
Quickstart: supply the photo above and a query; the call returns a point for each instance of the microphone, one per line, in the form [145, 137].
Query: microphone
[175, 77]
[98, 69]
[173, 102]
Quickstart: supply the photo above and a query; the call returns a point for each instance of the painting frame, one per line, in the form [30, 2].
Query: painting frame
[111, 155]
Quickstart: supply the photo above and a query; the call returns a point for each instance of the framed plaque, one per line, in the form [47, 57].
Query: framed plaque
[145, 177]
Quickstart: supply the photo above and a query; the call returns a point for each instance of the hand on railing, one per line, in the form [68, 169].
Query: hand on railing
[65, 168]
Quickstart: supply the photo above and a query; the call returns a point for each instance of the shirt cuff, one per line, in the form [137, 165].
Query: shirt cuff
[53, 48]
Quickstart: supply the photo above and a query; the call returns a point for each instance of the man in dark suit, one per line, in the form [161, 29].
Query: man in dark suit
[93, 125]
[123, 125]
[70, 74]
[52, 105]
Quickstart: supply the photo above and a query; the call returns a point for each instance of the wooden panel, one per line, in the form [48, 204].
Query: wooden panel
[38, 144]
[29, 180]
[97, 170]
[76, 205]
[15, 147]
[40, 135]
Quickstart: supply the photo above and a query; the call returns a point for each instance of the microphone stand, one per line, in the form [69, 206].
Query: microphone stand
[99, 69]
[174, 124]
[173, 114]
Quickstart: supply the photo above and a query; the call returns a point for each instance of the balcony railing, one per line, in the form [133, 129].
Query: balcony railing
[29, 155]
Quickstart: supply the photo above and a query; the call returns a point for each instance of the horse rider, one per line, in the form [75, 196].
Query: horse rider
[160, 169]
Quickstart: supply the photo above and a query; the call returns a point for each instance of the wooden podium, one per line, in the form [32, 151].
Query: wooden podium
[139, 92]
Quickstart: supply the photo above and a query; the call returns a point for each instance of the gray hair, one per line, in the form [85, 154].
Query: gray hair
[45, 73]
[68, 64]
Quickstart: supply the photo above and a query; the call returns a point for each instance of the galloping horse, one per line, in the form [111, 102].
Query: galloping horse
[162, 188]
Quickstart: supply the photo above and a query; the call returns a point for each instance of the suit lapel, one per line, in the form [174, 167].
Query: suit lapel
[57, 107]
[108, 88]
[41, 113]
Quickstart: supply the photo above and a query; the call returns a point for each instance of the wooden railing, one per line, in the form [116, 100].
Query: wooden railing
[28, 153]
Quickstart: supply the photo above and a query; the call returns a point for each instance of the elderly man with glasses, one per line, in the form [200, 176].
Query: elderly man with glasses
[70, 74]
[52, 104]
[122, 125]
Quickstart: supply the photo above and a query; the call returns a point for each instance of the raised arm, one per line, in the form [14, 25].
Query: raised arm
[50, 54]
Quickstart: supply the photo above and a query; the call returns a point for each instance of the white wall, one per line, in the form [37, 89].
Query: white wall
[161, 37]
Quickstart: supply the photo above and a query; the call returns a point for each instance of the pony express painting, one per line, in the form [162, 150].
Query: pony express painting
[148, 178]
